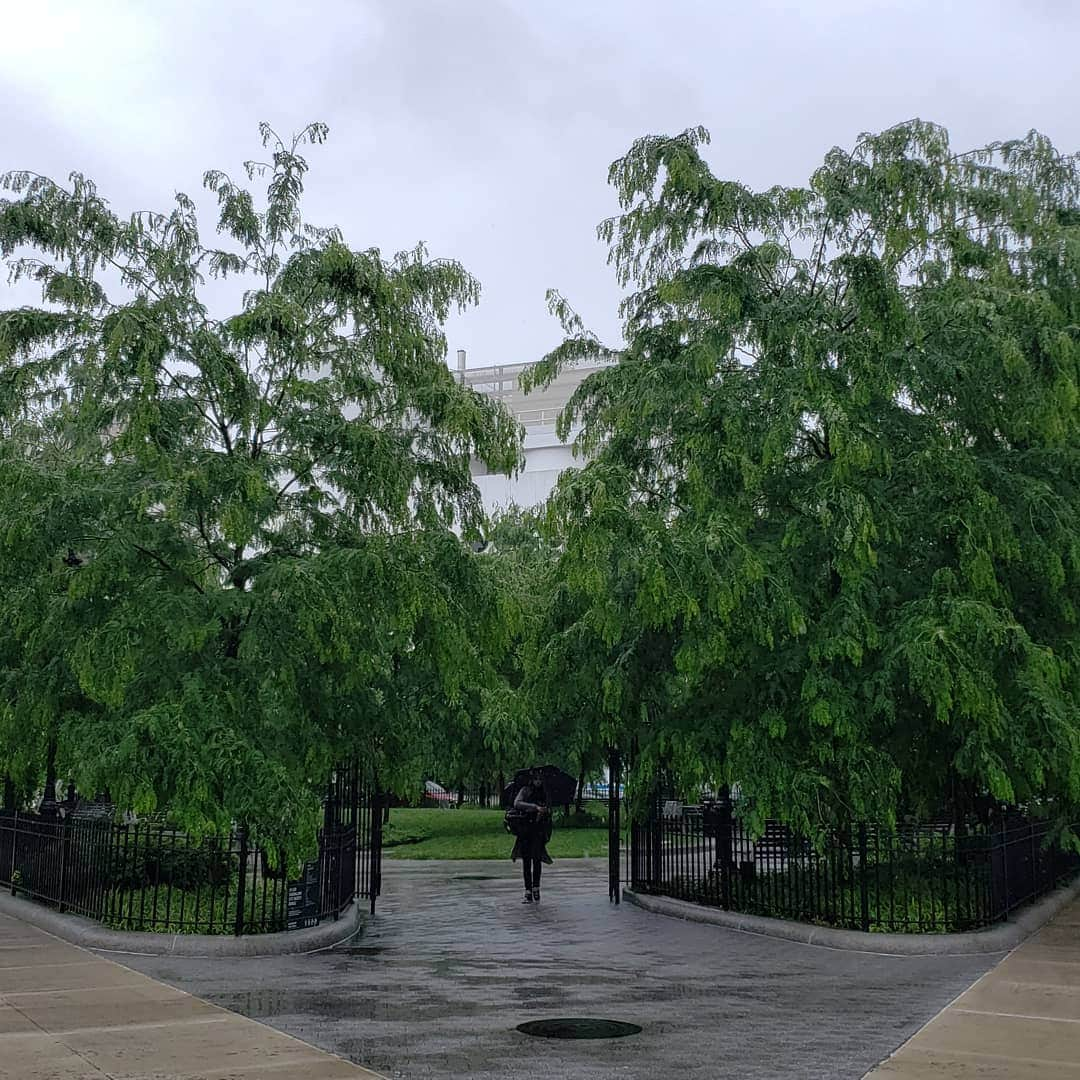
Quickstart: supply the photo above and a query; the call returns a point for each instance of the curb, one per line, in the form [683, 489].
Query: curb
[91, 935]
[997, 939]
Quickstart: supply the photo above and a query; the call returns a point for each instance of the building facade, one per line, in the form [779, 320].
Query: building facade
[546, 455]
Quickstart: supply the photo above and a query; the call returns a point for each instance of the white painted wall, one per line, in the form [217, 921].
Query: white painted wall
[546, 456]
[545, 459]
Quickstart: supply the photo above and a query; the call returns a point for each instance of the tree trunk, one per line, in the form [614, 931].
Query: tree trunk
[48, 800]
[579, 806]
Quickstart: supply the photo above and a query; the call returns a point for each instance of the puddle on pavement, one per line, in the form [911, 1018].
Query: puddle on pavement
[579, 1028]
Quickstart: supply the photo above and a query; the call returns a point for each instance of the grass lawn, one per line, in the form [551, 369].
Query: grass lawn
[475, 834]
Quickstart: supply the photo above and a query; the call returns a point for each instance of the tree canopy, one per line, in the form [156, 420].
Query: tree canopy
[827, 544]
[231, 548]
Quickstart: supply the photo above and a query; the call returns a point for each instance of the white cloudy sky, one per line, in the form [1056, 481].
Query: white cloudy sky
[485, 127]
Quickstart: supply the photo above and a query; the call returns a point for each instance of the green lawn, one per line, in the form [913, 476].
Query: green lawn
[475, 834]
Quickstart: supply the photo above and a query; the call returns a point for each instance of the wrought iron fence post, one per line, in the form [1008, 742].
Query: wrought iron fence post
[65, 847]
[14, 853]
[1035, 875]
[241, 884]
[1006, 896]
[656, 871]
[376, 848]
[614, 824]
[725, 845]
[864, 885]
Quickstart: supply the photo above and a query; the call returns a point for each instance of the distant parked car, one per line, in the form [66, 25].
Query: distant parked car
[437, 794]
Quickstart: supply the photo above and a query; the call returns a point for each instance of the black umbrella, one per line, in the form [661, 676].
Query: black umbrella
[559, 787]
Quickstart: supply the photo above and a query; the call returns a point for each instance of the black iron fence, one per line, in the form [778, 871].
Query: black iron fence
[911, 879]
[154, 877]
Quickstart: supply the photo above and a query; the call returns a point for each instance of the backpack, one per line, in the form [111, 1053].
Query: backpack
[517, 822]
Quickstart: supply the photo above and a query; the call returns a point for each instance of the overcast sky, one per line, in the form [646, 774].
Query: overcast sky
[485, 127]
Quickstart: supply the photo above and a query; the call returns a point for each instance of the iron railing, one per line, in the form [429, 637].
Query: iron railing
[155, 877]
[909, 879]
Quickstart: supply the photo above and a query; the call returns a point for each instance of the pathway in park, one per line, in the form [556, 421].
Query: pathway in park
[453, 962]
[1020, 1021]
[67, 1014]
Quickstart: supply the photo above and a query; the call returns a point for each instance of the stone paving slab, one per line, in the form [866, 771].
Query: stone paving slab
[1021, 1020]
[935, 1065]
[453, 961]
[66, 1014]
[70, 1010]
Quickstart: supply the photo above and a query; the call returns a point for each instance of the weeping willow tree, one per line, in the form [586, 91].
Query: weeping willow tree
[828, 542]
[231, 553]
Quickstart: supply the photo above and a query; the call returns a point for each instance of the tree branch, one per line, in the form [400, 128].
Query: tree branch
[172, 569]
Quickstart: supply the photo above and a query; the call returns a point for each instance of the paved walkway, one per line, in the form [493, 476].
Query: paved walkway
[453, 962]
[66, 1014]
[1020, 1021]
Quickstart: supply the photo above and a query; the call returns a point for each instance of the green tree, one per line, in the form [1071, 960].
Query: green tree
[828, 542]
[494, 731]
[229, 537]
[566, 667]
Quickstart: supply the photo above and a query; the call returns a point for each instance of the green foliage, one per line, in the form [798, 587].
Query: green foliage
[498, 728]
[228, 557]
[183, 866]
[907, 902]
[194, 909]
[828, 542]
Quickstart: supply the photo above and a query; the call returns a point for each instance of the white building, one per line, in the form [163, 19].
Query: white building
[546, 455]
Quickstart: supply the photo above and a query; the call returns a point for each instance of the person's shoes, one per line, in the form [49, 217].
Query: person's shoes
[528, 897]
[536, 896]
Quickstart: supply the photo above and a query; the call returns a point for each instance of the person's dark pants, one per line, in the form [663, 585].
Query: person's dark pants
[531, 869]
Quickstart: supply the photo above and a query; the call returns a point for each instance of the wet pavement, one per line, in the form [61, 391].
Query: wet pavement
[453, 962]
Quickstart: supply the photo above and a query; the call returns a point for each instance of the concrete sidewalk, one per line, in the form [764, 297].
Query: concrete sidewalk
[66, 1014]
[1020, 1021]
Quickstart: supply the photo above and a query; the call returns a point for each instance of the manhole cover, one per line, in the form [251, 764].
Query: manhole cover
[577, 1028]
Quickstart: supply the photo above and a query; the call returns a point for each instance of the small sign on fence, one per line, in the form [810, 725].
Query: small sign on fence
[302, 899]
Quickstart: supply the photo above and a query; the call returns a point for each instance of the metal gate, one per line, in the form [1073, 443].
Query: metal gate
[369, 843]
[614, 825]
[351, 848]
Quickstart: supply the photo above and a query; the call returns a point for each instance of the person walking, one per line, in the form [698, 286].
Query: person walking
[530, 844]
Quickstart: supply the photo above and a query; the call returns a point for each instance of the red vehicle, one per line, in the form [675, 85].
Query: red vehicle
[437, 794]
